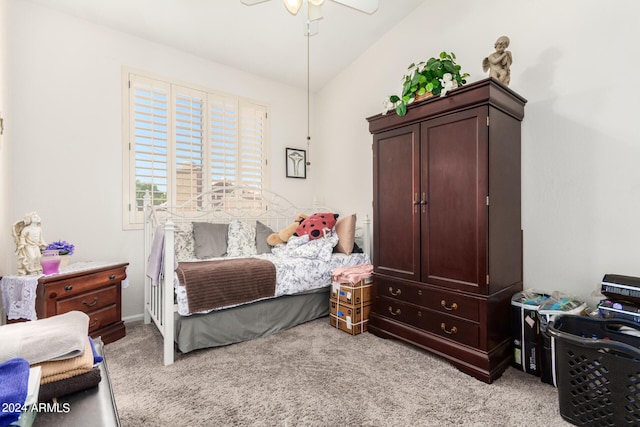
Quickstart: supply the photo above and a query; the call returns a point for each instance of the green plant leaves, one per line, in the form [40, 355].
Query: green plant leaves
[425, 77]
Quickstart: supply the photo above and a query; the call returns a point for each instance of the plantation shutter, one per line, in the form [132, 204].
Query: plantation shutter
[189, 133]
[184, 140]
[148, 143]
[223, 140]
[252, 136]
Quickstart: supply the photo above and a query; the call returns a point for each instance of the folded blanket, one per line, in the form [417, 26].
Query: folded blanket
[221, 283]
[14, 383]
[54, 338]
[154, 263]
[352, 274]
[62, 369]
[74, 384]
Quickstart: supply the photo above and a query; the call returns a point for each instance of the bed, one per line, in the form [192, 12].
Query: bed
[289, 283]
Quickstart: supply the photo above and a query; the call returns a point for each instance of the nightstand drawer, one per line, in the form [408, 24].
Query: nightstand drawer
[89, 301]
[103, 317]
[87, 282]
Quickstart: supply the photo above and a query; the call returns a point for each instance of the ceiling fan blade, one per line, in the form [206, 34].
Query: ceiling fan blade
[366, 6]
[252, 2]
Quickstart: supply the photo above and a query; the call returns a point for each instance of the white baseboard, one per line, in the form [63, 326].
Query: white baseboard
[133, 318]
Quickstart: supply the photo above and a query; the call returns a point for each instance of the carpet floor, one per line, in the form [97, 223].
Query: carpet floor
[314, 375]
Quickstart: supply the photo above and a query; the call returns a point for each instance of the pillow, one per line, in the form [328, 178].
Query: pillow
[346, 231]
[242, 239]
[183, 241]
[210, 240]
[262, 232]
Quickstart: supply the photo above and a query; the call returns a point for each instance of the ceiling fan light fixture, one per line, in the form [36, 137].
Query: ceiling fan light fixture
[316, 2]
[293, 6]
[315, 12]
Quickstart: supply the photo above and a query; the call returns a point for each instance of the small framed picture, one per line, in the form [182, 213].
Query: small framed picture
[296, 163]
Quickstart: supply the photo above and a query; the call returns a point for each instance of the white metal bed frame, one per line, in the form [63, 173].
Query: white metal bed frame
[219, 205]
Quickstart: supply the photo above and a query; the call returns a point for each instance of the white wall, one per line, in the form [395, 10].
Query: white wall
[66, 115]
[575, 62]
[5, 234]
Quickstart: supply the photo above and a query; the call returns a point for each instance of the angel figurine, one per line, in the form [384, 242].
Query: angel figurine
[27, 235]
[499, 63]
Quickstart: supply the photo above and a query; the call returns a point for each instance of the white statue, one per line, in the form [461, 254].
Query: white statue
[499, 62]
[27, 234]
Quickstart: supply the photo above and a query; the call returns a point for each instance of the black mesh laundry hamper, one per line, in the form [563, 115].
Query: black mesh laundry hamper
[598, 370]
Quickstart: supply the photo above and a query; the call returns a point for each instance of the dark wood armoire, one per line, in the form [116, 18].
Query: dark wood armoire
[447, 239]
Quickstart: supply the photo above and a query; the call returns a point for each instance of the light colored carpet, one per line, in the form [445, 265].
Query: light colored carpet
[314, 375]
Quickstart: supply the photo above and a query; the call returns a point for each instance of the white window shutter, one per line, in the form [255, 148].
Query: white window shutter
[149, 143]
[184, 140]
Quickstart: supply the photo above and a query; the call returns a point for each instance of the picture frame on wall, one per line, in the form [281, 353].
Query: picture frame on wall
[296, 161]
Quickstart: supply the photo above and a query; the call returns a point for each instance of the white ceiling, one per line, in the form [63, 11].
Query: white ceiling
[263, 39]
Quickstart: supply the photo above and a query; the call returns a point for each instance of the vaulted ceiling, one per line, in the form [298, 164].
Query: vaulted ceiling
[263, 39]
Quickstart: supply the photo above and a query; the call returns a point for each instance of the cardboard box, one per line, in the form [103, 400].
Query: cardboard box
[349, 293]
[350, 318]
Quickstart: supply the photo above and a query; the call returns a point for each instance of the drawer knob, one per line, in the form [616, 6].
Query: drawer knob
[95, 322]
[396, 293]
[452, 307]
[68, 288]
[395, 313]
[112, 276]
[452, 331]
[95, 301]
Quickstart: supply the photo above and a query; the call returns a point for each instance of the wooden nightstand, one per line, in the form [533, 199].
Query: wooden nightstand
[92, 287]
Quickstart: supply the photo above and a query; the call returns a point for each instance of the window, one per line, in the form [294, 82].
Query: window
[182, 140]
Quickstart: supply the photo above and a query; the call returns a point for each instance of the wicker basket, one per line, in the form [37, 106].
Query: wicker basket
[423, 96]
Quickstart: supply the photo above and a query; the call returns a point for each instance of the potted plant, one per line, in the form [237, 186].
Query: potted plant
[434, 77]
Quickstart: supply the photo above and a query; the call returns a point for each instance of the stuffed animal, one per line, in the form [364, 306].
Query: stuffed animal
[317, 225]
[283, 235]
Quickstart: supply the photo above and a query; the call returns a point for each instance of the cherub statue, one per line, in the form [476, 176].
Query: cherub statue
[27, 234]
[499, 62]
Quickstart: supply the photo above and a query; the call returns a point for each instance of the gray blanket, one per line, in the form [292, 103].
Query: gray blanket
[55, 338]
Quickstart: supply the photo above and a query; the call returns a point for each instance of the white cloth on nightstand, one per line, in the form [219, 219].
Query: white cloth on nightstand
[19, 296]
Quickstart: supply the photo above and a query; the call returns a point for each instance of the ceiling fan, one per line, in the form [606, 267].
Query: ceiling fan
[314, 12]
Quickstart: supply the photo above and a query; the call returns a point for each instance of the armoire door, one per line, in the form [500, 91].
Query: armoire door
[396, 220]
[454, 178]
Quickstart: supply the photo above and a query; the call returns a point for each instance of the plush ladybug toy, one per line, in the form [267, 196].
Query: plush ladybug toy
[317, 225]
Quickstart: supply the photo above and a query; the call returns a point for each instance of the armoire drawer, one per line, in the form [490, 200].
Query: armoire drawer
[444, 325]
[430, 297]
[89, 301]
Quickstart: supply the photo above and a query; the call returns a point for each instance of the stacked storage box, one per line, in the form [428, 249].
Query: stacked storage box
[351, 298]
[623, 293]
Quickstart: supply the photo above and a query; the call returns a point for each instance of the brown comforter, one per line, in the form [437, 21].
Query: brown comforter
[221, 283]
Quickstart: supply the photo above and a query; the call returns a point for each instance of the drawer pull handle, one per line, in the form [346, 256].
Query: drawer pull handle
[112, 276]
[95, 301]
[68, 288]
[452, 331]
[395, 313]
[95, 322]
[453, 306]
[395, 294]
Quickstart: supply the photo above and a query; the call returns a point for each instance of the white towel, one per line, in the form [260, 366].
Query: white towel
[55, 338]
